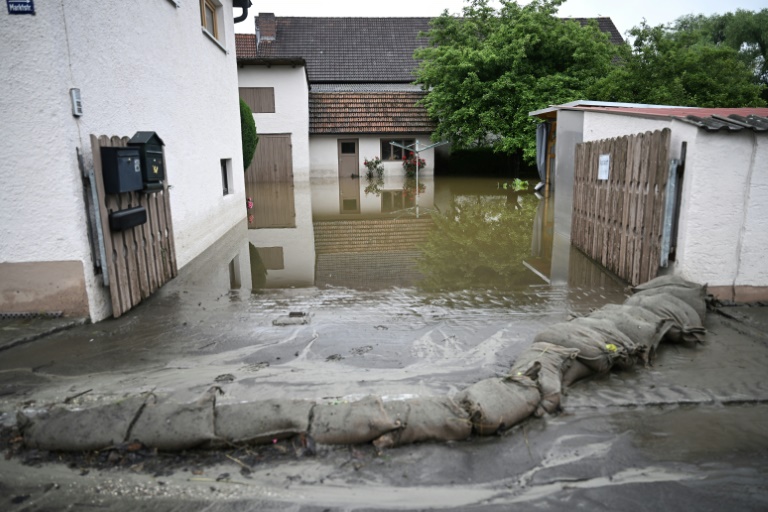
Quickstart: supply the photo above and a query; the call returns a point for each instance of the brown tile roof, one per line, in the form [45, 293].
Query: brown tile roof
[368, 112]
[345, 49]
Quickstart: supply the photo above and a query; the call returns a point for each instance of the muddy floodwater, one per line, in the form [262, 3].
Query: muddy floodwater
[333, 290]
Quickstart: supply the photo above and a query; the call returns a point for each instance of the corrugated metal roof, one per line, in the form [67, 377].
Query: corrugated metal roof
[710, 119]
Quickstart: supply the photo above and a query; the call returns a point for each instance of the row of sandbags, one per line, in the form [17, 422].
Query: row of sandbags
[666, 309]
[615, 336]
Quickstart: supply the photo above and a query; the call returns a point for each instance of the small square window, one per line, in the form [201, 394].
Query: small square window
[348, 148]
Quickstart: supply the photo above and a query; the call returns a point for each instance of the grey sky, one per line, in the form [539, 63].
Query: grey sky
[625, 14]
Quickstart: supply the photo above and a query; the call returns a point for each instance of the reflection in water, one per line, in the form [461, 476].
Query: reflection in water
[470, 235]
[480, 241]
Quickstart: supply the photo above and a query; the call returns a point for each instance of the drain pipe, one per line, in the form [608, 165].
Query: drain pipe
[244, 5]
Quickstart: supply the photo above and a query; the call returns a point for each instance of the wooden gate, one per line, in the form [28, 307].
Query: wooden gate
[141, 259]
[617, 220]
[269, 183]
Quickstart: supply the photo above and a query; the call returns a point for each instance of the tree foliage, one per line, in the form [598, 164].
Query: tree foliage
[248, 133]
[487, 69]
[680, 65]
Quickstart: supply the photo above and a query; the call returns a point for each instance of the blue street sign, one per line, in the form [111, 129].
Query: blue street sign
[20, 6]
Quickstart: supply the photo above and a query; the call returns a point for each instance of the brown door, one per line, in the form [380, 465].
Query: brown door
[272, 160]
[349, 180]
[269, 183]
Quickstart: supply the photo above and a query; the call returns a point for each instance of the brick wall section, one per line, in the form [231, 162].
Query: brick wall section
[368, 112]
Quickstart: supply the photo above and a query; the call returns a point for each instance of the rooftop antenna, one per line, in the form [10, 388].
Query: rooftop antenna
[415, 148]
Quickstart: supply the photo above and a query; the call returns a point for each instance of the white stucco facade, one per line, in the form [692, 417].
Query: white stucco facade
[291, 108]
[139, 67]
[324, 153]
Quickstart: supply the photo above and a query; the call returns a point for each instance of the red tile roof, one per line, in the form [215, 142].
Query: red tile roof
[368, 112]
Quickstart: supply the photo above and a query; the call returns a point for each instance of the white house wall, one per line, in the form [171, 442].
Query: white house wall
[324, 157]
[140, 67]
[723, 227]
[291, 108]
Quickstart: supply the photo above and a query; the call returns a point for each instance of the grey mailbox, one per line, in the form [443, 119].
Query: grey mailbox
[121, 169]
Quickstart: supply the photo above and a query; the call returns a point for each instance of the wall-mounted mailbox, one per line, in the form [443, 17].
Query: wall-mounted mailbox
[128, 218]
[150, 147]
[121, 169]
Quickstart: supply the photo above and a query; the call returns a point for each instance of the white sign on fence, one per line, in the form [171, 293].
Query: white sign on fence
[603, 167]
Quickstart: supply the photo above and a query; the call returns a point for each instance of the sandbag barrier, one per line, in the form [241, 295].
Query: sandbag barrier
[666, 309]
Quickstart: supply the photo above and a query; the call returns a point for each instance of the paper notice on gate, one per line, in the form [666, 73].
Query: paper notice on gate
[603, 167]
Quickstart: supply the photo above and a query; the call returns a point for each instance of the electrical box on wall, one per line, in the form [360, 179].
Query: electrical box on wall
[77, 102]
[121, 169]
[150, 147]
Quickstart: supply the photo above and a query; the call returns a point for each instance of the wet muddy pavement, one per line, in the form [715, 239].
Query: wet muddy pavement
[689, 433]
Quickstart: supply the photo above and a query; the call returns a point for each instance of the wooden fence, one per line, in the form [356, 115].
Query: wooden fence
[617, 221]
[140, 259]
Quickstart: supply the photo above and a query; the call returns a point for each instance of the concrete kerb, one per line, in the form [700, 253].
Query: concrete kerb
[167, 423]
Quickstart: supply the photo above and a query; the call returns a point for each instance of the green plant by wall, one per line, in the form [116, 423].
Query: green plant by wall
[248, 133]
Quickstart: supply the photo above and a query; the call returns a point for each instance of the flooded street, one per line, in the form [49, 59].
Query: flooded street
[338, 289]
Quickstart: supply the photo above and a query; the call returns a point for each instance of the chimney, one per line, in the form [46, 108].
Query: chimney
[266, 27]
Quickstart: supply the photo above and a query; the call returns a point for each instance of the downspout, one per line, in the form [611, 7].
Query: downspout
[244, 5]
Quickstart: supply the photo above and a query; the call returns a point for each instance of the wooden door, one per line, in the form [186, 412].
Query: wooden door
[349, 179]
[269, 183]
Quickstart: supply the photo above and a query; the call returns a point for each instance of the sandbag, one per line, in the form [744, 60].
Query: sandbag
[168, 425]
[426, 419]
[351, 422]
[78, 428]
[645, 328]
[686, 326]
[694, 297]
[576, 372]
[498, 404]
[554, 360]
[263, 421]
[596, 350]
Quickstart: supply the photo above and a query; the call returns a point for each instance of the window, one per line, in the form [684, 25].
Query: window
[348, 148]
[212, 19]
[226, 176]
[261, 100]
[390, 152]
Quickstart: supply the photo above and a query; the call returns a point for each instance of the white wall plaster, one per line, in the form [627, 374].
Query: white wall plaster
[291, 108]
[324, 158]
[139, 67]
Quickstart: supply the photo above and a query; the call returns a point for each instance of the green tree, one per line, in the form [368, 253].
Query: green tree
[679, 66]
[486, 70]
[248, 133]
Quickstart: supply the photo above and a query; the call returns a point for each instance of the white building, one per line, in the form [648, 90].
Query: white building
[722, 228]
[162, 66]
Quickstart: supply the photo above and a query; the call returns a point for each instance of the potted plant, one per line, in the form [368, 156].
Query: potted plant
[410, 163]
[373, 166]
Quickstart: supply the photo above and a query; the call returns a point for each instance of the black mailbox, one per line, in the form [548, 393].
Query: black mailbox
[128, 218]
[150, 147]
[121, 169]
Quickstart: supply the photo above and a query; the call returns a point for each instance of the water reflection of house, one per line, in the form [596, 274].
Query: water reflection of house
[721, 231]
